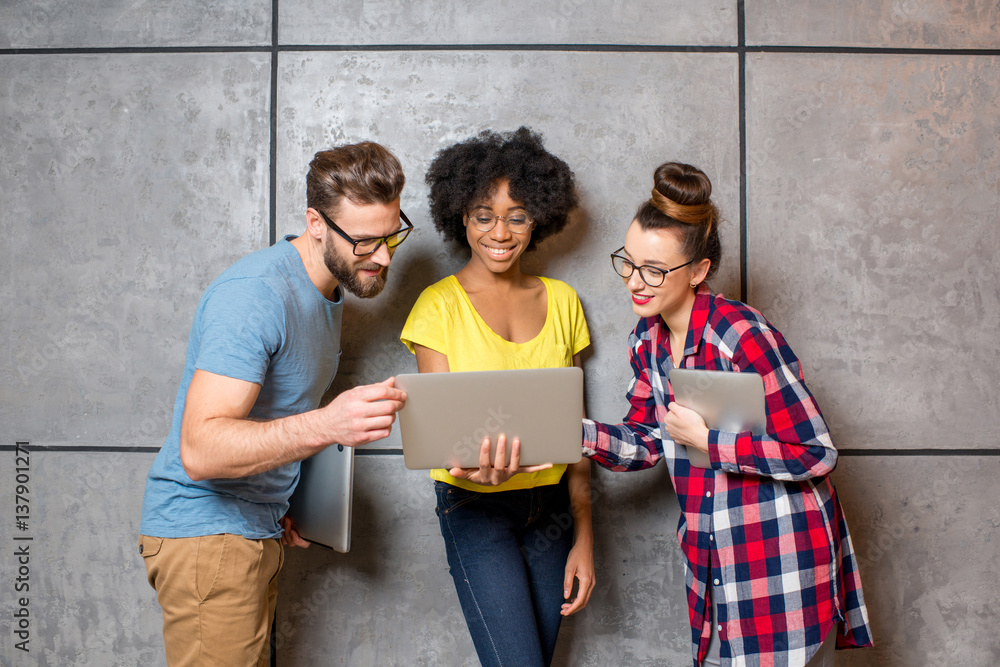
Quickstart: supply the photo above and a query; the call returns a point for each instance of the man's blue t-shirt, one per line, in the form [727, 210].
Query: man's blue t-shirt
[265, 322]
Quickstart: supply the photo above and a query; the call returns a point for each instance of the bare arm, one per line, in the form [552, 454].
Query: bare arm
[580, 562]
[219, 441]
[430, 361]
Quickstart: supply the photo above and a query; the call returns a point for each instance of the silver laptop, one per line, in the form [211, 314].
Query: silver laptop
[447, 415]
[726, 400]
[322, 502]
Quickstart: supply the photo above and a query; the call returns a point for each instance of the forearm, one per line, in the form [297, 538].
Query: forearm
[219, 440]
[578, 481]
[797, 445]
[224, 447]
[766, 456]
[622, 447]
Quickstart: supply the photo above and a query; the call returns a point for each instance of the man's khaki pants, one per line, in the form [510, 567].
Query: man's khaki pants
[218, 594]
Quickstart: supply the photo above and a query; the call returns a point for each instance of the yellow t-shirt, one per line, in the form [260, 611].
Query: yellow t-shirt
[444, 320]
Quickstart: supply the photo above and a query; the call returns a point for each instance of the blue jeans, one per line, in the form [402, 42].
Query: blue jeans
[507, 554]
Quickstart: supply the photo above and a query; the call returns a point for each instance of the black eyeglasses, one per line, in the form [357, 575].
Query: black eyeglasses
[367, 246]
[651, 275]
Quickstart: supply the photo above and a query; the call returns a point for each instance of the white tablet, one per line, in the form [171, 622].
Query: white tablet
[447, 415]
[726, 400]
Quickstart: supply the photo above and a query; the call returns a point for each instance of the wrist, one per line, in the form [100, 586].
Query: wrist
[583, 531]
[315, 433]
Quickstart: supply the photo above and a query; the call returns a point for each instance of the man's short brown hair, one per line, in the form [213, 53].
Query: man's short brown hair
[366, 173]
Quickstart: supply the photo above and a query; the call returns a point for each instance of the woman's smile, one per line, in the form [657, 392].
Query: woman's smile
[499, 253]
[641, 299]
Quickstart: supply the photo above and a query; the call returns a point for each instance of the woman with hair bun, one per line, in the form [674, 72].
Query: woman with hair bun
[519, 540]
[771, 574]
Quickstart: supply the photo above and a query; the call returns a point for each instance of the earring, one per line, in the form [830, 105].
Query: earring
[694, 285]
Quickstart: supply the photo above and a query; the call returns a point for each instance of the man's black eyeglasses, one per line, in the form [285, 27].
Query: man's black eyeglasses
[651, 275]
[367, 246]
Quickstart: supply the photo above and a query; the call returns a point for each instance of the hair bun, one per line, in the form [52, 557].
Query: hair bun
[682, 183]
[683, 193]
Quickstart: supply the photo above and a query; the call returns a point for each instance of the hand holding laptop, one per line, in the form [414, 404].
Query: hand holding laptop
[290, 535]
[495, 472]
[450, 419]
[361, 415]
[723, 400]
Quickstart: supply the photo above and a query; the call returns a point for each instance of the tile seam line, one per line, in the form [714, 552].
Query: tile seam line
[742, 131]
[476, 48]
[399, 452]
[272, 204]
[625, 48]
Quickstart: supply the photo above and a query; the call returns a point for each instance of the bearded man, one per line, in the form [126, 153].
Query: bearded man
[264, 348]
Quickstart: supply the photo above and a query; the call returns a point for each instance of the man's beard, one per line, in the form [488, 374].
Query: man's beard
[347, 275]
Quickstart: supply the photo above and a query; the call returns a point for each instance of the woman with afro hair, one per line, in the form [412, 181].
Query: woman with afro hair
[499, 195]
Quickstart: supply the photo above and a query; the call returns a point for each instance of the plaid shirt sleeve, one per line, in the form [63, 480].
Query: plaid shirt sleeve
[797, 445]
[637, 443]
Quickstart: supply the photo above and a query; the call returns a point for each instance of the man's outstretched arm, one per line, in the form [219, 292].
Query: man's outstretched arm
[219, 441]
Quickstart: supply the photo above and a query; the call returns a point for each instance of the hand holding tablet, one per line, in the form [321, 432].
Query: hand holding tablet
[726, 400]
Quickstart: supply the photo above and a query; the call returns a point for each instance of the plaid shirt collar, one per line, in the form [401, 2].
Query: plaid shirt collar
[699, 319]
[696, 324]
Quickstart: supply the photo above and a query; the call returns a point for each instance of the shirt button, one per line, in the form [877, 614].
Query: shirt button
[716, 582]
[708, 494]
[719, 626]
[711, 538]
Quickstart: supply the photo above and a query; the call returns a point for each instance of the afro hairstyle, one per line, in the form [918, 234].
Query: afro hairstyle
[469, 172]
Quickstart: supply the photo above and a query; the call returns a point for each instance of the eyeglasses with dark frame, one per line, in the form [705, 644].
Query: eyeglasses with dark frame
[484, 220]
[653, 276]
[367, 246]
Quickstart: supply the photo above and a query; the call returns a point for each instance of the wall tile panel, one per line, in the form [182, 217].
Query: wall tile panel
[129, 183]
[873, 204]
[534, 22]
[144, 23]
[88, 598]
[929, 557]
[956, 24]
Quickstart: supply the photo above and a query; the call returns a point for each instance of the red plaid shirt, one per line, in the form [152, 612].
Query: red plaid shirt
[764, 522]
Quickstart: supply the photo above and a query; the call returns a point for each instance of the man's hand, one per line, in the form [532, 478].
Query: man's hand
[497, 472]
[363, 414]
[686, 427]
[289, 536]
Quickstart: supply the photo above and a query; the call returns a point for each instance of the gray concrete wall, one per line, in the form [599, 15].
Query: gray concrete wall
[136, 147]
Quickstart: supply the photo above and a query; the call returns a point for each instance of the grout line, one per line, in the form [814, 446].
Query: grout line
[897, 453]
[82, 448]
[601, 48]
[741, 32]
[132, 50]
[624, 48]
[272, 224]
[873, 50]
